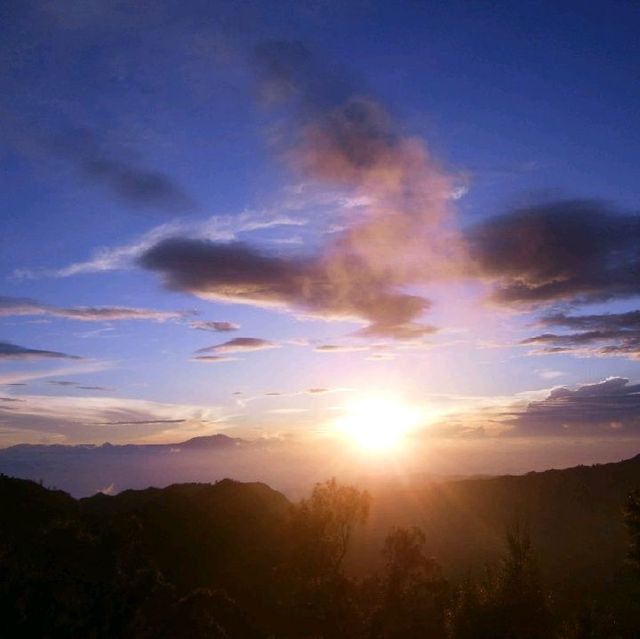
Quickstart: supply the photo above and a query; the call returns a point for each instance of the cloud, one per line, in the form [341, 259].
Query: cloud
[219, 327]
[98, 419]
[235, 272]
[406, 331]
[15, 306]
[124, 177]
[13, 351]
[340, 348]
[550, 374]
[239, 344]
[68, 384]
[603, 335]
[575, 251]
[609, 407]
[212, 359]
[18, 378]
[219, 228]
[399, 235]
[139, 422]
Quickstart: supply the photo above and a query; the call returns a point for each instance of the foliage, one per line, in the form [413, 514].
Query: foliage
[238, 561]
[632, 520]
[508, 602]
[413, 594]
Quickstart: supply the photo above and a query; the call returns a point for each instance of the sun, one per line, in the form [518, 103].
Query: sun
[377, 424]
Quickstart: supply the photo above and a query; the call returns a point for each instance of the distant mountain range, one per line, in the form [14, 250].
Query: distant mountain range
[204, 442]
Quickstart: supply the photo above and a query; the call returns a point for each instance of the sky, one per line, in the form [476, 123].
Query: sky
[255, 218]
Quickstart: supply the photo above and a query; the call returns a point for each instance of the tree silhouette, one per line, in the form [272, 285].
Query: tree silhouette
[413, 595]
[508, 602]
[632, 520]
[319, 597]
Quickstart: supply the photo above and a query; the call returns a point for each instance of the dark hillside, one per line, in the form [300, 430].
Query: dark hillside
[575, 517]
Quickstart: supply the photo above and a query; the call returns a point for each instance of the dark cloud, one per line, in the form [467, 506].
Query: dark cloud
[218, 327]
[239, 344]
[317, 391]
[609, 334]
[288, 71]
[93, 388]
[13, 351]
[609, 407]
[235, 272]
[125, 177]
[16, 306]
[574, 251]
[56, 382]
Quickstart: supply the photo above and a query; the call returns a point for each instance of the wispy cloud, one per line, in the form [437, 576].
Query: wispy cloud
[340, 348]
[239, 344]
[219, 228]
[217, 327]
[13, 351]
[14, 306]
[20, 379]
[98, 419]
[212, 359]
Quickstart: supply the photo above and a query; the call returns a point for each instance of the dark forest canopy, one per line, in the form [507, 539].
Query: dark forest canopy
[542, 555]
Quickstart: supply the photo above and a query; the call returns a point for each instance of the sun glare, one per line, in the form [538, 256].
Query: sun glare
[377, 424]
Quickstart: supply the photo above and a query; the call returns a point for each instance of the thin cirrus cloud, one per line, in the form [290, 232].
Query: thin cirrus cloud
[212, 359]
[237, 345]
[340, 348]
[10, 351]
[14, 306]
[216, 327]
[100, 419]
[401, 235]
[69, 384]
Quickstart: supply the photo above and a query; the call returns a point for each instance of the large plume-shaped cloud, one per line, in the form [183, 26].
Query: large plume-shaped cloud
[400, 236]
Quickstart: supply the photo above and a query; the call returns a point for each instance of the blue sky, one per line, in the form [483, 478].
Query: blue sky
[128, 125]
